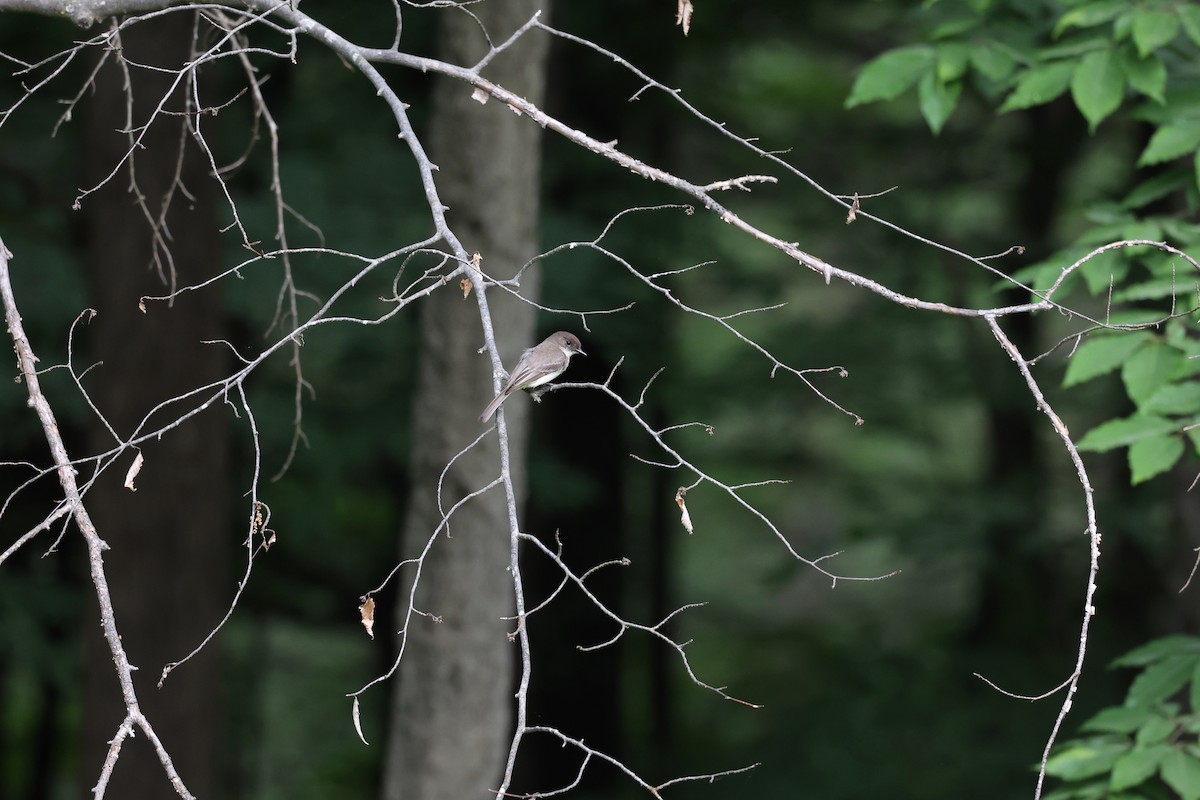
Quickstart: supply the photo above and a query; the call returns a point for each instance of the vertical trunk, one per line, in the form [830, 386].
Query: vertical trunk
[1017, 431]
[451, 715]
[164, 568]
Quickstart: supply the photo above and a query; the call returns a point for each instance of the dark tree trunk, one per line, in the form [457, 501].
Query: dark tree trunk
[167, 538]
[1018, 432]
[451, 715]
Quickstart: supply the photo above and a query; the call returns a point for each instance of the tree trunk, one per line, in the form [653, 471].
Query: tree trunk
[167, 538]
[1018, 432]
[451, 713]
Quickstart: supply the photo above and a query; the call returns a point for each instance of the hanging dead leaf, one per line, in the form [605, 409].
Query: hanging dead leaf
[367, 612]
[479, 95]
[134, 469]
[356, 716]
[466, 286]
[684, 517]
[852, 214]
[683, 15]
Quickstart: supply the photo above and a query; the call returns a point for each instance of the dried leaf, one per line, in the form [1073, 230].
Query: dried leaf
[357, 717]
[853, 213]
[479, 95]
[367, 612]
[466, 286]
[684, 517]
[683, 15]
[134, 469]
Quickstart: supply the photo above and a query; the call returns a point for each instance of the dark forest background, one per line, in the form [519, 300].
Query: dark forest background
[954, 478]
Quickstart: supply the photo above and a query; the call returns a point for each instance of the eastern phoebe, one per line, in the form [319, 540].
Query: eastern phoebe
[538, 365]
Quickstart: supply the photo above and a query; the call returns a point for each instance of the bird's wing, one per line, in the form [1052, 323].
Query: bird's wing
[521, 375]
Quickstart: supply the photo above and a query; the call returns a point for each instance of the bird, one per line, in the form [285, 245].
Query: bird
[538, 365]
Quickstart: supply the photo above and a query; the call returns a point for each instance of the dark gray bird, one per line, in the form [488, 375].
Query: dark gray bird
[538, 365]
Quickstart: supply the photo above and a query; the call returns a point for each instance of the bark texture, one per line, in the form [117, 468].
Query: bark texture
[451, 715]
[165, 568]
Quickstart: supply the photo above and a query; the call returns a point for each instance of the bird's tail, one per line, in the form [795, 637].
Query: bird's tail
[491, 407]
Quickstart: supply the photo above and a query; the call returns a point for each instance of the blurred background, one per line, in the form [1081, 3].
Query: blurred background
[954, 479]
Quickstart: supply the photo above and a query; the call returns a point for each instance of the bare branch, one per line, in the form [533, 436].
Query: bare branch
[1089, 610]
[95, 545]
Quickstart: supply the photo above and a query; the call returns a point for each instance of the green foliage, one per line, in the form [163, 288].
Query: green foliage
[1039, 85]
[1171, 141]
[1119, 59]
[1157, 374]
[892, 74]
[1101, 355]
[1146, 747]
[1098, 85]
[1101, 51]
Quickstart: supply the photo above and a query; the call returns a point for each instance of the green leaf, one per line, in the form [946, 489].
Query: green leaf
[1039, 85]
[1118, 719]
[1147, 75]
[955, 27]
[1042, 274]
[937, 101]
[1171, 141]
[1174, 398]
[1136, 766]
[1155, 188]
[993, 61]
[1152, 29]
[1181, 772]
[1104, 269]
[1157, 650]
[952, 60]
[1089, 15]
[1124, 432]
[1189, 15]
[1154, 290]
[1149, 369]
[890, 75]
[1122, 26]
[1085, 758]
[1179, 333]
[1076, 46]
[1098, 86]
[1183, 100]
[1151, 457]
[1162, 679]
[1157, 729]
[1184, 233]
[1102, 354]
